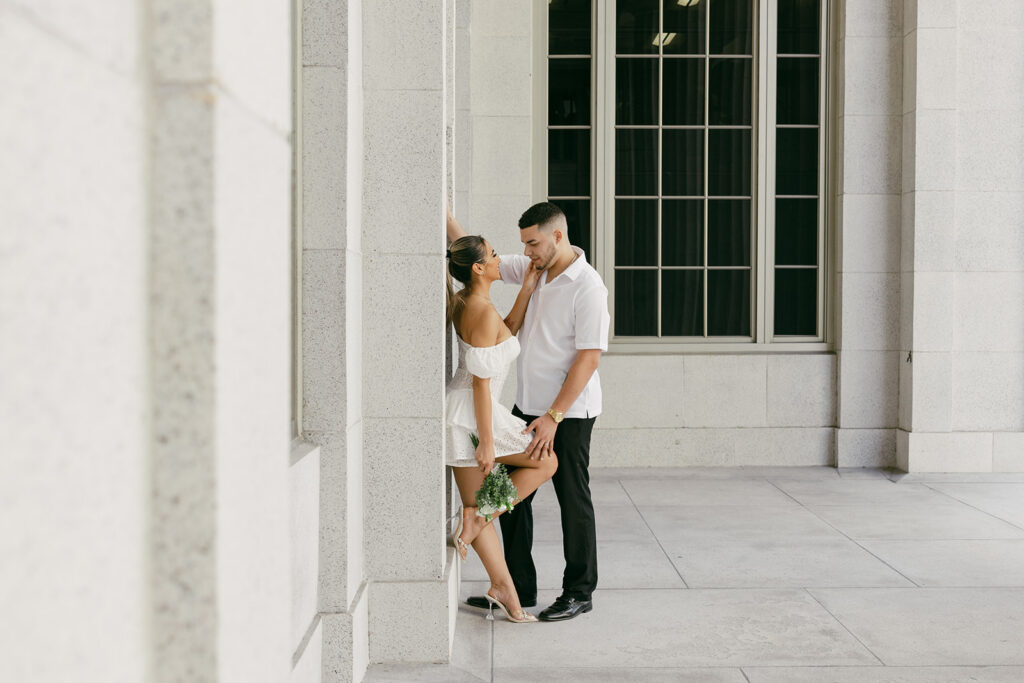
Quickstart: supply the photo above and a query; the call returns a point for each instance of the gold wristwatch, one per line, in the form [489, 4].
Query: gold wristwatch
[555, 415]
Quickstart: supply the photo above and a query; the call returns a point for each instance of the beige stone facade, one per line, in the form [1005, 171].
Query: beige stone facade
[223, 344]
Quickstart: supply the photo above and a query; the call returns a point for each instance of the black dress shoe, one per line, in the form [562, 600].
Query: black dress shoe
[565, 608]
[481, 602]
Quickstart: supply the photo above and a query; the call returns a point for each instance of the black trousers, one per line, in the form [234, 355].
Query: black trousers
[579, 540]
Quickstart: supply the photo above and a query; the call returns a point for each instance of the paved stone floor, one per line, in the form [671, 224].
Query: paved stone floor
[770, 574]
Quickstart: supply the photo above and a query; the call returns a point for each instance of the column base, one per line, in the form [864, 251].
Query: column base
[960, 451]
[865, 447]
[414, 621]
[346, 642]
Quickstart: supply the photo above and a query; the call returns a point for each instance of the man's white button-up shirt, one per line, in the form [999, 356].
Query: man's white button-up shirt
[565, 315]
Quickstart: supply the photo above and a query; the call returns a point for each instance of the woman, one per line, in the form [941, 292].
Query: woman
[487, 348]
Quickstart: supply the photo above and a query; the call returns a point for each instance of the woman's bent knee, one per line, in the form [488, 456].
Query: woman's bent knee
[550, 466]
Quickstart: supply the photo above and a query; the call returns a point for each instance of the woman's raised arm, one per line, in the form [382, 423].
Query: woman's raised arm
[515, 317]
[455, 230]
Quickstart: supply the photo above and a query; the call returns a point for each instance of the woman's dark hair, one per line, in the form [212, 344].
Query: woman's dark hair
[463, 254]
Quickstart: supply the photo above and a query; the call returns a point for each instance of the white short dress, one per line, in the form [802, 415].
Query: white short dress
[490, 362]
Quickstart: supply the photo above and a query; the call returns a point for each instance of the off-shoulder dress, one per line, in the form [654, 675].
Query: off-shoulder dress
[487, 362]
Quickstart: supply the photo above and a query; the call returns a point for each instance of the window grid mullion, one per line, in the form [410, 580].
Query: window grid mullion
[762, 190]
[707, 133]
[660, 153]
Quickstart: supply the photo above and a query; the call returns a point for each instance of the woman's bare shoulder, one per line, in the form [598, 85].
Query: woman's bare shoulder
[479, 324]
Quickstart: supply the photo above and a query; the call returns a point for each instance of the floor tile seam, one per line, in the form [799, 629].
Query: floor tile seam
[929, 589]
[855, 542]
[937, 539]
[640, 667]
[845, 627]
[974, 507]
[781, 506]
[786, 493]
[802, 587]
[656, 539]
[789, 589]
[884, 666]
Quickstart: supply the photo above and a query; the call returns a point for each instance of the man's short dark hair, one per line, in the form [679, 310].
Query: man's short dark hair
[539, 215]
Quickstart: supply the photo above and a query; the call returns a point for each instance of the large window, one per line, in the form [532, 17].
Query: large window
[683, 140]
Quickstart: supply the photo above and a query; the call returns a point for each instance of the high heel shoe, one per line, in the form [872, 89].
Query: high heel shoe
[523, 617]
[460, 546]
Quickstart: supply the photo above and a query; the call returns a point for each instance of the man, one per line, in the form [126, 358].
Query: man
[559, 396]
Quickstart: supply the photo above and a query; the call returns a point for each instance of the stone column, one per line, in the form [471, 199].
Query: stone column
[413, 589]
[74, 431]
[460, 84]
[926, 262]
[868, 214]
[331, 129]
[218, 319]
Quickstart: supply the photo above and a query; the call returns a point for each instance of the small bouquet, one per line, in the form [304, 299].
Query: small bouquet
[497, 493]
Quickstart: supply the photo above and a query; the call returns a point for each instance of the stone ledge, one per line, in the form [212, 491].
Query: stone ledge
[725, 447]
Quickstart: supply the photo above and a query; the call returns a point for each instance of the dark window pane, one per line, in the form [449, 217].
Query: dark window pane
[798, 27]
[796, 301]
[636, 27]
[636, 162]
[683, 95]
[729, 232]
[568, 163]
[729, 163]
[636, 303]
[636, 232]
[577, 215]
[731, 22]
[796, 161]
[729, 92]
[682, 303]
[636, 92]
[686, 20]
[683, 163]
[728, 303]
[682, 232]
[796, 232]
[797, 90]
[569, 27]
[568, 92]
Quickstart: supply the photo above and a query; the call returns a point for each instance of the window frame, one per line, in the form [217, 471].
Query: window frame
[602, 179]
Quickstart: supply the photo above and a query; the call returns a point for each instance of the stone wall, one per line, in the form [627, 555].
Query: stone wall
[75, 463]
[867, 161]
[403, 363]
[149, 280]
[962, 396]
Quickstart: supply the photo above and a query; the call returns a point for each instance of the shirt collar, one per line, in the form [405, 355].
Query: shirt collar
[576, 267]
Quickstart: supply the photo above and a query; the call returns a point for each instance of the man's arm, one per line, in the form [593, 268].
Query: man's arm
[455, 230]
[544, 427]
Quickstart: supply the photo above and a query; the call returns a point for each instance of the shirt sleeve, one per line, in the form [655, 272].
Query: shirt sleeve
[592, 319]
[513, 268]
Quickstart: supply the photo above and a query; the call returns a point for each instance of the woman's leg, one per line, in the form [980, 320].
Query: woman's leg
[486, 543]
[529, 474]
[528, 477]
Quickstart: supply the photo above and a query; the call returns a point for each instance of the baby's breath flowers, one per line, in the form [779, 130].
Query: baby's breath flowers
[497, 493]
